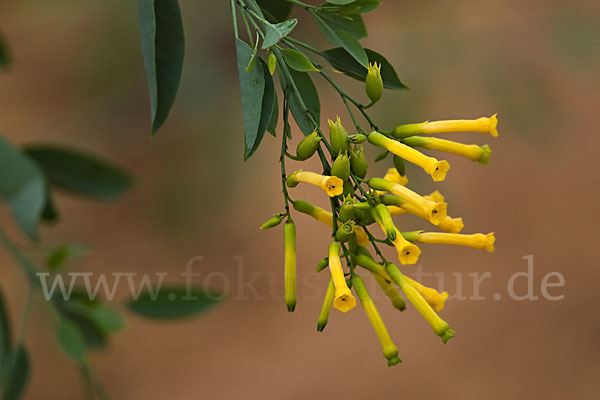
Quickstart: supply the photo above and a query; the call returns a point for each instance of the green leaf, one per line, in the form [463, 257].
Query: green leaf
[175, 302]
[267, 108]
[50, 212]
[15, 377]
[163, 46]
[342, 61]
[5, 336]
[252, 88]
[298, 61]
[59, 256]
[71, 340]
[310, 97]
[342, 38]
[275, 10]
[340, 2]
[274, 33]
[22, 186]
[272, 128]
[80, 172]
[352, 24]
[4, 55]
[366, 6]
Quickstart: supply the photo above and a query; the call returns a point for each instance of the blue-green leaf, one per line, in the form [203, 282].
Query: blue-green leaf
[80, 172]
[275, 32]
[342, 61]
[275, 10]
[267, 107]
[71, 340]
[22, 186]
[343, 39]
[163, 46]
[298, 61]
[252, 88]
[352, 24]
[15, 377]
[175, 302]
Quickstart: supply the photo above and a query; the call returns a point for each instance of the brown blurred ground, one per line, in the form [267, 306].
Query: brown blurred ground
[78, 79]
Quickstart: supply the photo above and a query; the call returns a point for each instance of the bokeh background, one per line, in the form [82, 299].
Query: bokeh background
[78, 79]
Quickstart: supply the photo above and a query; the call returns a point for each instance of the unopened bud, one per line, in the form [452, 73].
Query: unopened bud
[341, 167]
[338, 136]
[273, 222]
[358, 162]
[373, 82]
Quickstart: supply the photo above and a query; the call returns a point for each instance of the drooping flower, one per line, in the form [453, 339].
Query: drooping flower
[473, 152]
[290, 264]
[343, 299]
[437, 169]
[477, 240]
[327, 303]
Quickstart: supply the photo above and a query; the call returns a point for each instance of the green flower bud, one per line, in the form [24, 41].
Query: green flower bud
[272, 62]
[308, 146]
[373, 82]
[289, 239]
[338, 136]
[341, 167]
[357, 139]
[348, 188]
[358, 162]
[400, 166]
[344, 232]
[381, 156]
[273, 222]
[327, 303]
[347, 209]
[324, 263]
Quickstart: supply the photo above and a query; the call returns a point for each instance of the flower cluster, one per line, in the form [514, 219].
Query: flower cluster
[359, 203]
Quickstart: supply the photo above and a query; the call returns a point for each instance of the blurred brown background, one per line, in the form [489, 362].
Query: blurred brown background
[78, 79]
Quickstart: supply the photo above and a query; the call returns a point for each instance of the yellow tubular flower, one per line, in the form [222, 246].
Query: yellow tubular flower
[327, 303]
[290, 264]
[451, 225]
[477, 241]
[435, 196]
[343, 299]
[332, 185]
[326, 218]
[390, 291]
[433, 297]
[437, 169]
[473, 152]
[390, 351]
[483, 125]
[440, 327]
[434, 211]
[408, 253]
[393, 175]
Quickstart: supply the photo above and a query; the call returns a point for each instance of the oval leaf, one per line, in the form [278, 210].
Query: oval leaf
[298, 61]
[342, 38]
[352, 24]
[79, 172]
[267, 107]
[71, 340]
[22, 186]
[342, 61]
[275, 10]
[252, 88]
[274, 33]
[163, 46]
[175, 302]
[14, 377]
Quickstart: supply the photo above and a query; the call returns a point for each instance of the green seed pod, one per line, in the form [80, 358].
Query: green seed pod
[289, 239]
[338, 136]
[273, 222]
[358, 162]
[373, 82]
[324, 263]
[327, 303]
[341, 167]
[357, 139]
[399, 164]
[272, 62]
[348, 188]
[344, 232]
[308, 146]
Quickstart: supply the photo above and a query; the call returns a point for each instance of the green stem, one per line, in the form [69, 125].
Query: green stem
[234, 16]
